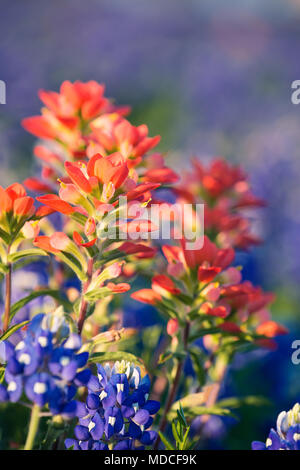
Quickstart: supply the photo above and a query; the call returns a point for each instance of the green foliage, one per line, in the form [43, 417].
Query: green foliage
[180, 432]
[12, 330]
[14, 257]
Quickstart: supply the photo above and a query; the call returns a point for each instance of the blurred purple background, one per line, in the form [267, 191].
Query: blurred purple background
[212, 77]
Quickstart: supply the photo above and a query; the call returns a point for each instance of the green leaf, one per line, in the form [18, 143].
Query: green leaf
[4, 235]
[214, 410]
[12, 330]
[181, 417]
[73, 263]
[250, 400]
[164, 357]
[2, 372]
[184, 445]
[3, 268]
[166, 442]
[13, 257]
[39, 293]
[54, 431]
[196, 356]
[185, 299]
[177, 431]
[115, 356]
[189, 401]
[97, 294]
[203, 332]
[80, 218]
[195, 411]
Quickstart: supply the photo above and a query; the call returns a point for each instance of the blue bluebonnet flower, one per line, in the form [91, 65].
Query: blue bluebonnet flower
[46, 365]
[118, 413]
[287, 434]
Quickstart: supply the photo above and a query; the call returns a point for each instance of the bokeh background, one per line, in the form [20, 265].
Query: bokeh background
[213, 78]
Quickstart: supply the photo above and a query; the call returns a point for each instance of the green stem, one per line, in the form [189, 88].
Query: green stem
[175, 385]
[7, 299]
[33, 427]
[84, 303]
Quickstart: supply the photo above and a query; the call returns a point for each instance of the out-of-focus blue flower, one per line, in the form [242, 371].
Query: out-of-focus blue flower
[46, 366]
[287, 434]
[117, 411]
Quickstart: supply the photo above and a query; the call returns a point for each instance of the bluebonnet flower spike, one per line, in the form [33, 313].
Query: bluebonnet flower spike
[117, 413]
[287, 434]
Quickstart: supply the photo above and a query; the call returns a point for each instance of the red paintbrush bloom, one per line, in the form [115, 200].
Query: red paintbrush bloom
[140, 190]
[54, 202]
[23, 206]
[112, 169]
[114, 132]
[209, 260]
[271, 329]
[78, 178]
[161, 283]
[118, 288]
[142, 251]
[36, 185]
[66, 113]
[43, 242]
[172, 326]
[219, 311]
[39, 126]
[161, 175]
[230, 327]
[80, 242]
[147, 296]
[98, 186]
[208, 274]
[224, 190]
[15, 207]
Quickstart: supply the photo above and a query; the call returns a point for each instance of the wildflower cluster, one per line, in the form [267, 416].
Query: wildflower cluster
[117, 413]
[99, 176]
[80, 122]
[287, 434]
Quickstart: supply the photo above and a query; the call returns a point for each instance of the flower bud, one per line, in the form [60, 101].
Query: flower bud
[90, 226]
[31, 229]
[172, 326]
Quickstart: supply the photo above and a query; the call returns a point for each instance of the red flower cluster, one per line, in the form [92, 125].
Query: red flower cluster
[98, 157]
[16, 209]
[201, 285]
[79, 122]
[99, 176]
[225, 192]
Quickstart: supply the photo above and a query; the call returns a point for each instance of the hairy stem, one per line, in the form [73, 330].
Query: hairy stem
[7, 299]
[214, 392]
[84, 303]
[33, 427]
[174, 387]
